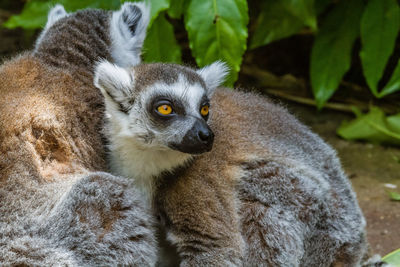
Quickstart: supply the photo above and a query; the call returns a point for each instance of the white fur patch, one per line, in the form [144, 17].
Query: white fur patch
[130, 159]
[173, 239]
[214, 75]
[56, 13]
[126, 46]
[113, 81]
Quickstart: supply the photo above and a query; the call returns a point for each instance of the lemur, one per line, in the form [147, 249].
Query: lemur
[234, 178]
[57, 205]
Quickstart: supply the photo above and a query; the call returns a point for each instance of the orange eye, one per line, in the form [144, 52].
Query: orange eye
[164, 109]
[204, 110]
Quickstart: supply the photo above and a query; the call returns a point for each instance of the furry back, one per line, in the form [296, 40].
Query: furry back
[56, 206]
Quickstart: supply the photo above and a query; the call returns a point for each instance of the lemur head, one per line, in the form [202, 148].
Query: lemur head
[161, 106]
[122, 31]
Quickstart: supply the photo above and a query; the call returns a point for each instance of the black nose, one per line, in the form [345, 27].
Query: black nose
[197, 140]
[205, 135]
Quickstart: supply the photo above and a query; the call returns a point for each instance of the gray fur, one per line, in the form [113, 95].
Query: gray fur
[269, 180]
[78, 216]
[298, 208]
[149, 74]
[65, 223]
[76, 42]
[55, 14]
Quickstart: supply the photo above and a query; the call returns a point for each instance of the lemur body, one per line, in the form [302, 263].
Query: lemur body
[56, 206]
[269, 193]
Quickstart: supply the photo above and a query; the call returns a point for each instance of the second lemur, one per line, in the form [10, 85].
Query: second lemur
[235, 179]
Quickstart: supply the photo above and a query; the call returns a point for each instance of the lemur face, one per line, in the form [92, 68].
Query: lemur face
[161, 106]
[177, 115]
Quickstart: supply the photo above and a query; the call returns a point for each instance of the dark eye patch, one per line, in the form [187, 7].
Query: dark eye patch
[204, 101]
[157, 100]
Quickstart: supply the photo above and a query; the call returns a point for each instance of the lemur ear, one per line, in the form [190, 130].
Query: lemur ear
[214, 75]
[56, 13]
[128, 31]
[116, 84]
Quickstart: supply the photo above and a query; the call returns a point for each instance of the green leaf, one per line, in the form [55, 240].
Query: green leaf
[394, 83]
[280, 19]
[156, 7]
[74, 5]
[160, 43]
[373, 127]
[379, 27]
[274, 23]
[176, 9]
[331, 52]
[302, 9]
[394, 196]
[394, 122]
[321, 5]
[34, 14]
[393, 258]
[217, 31]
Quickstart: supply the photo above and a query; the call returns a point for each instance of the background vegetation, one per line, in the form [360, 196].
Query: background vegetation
[220, 30]
[350, 62]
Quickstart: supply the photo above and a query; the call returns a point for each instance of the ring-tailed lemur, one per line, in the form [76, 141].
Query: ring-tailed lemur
[269, 193]
[56, 206]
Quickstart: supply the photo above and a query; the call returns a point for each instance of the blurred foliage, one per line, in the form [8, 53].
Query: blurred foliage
[34, 14]
[280, 19]
[382, 18]
[395, 196]
[393, 258]
[218, 30]
[374, 127]
[331, 52]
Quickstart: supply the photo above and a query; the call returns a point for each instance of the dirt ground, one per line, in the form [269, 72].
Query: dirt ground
[369, 166]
